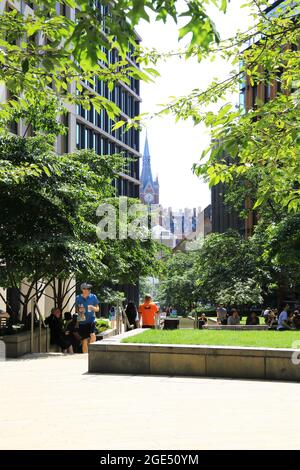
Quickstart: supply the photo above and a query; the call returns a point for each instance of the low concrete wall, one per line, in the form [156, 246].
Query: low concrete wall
[112, 356]
[18, 344]
[106, 334]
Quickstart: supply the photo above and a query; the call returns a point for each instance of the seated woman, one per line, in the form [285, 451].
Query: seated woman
[72, 330]
[272, 320]
[202, 321]
[252, 319]
[57, 334]
[234, 318]
[296, 319]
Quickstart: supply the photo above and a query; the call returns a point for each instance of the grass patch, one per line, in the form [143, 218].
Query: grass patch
[268, 339]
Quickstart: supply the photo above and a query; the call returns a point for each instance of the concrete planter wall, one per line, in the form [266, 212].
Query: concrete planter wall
[112, 356]
[18, 344]
[106, 334]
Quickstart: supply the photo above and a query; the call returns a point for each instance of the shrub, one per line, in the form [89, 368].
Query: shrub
[101, 325]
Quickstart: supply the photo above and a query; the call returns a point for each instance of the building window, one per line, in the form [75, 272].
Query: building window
[267, 88]
[278, 80]
[82, 112]
[65, 137]
[105, 121]
[100, 87]
[125, 188]
[90, 141]
[95, 139]
[254, 96]
[105, 147]
[78, 136]
[117, 95]
[90, 114]
[82, 137]
[267, 92]
[136, 108]
[13, 127]
[242, 98]
[120, 186]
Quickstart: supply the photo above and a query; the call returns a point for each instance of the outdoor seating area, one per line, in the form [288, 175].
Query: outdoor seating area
[287, 317]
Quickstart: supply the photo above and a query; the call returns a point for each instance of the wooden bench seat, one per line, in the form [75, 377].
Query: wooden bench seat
[237, 327]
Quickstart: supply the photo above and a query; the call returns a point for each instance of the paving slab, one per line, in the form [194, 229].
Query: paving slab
[49, 401]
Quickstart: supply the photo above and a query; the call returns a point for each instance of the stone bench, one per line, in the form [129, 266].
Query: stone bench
[170, 323]
[237, 327]
[18, 344]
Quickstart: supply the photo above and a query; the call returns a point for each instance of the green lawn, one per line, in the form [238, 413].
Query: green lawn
[269, 339]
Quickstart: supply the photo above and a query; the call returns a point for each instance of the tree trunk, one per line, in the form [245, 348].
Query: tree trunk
[281, 291]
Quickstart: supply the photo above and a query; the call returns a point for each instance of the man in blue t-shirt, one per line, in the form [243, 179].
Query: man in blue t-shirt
[87, 305]
[283, 319]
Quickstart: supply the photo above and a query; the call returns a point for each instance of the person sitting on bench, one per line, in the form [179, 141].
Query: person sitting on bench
[252, 319]
[234, 318]
[57, 334]
[284, 319]
[202, 321]
[72, 331]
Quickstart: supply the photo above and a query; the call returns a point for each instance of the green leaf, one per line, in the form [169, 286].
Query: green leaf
[46, 170]
[118, 124]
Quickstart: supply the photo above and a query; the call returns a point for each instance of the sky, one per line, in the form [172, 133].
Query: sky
[175, 147]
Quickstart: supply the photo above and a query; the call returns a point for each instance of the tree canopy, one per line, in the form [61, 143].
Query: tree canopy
[224, 262]
[45, 47]
[228, 269]
[177, 284]
[48, 228]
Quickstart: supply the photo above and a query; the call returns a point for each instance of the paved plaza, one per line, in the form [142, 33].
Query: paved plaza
[51, 402]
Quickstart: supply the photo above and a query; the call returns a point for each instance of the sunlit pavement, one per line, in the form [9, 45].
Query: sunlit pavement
[50, 402]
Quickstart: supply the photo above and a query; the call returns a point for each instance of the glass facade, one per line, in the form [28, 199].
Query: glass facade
[94, 129]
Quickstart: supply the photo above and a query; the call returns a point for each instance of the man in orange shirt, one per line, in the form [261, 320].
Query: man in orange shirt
[147, 312]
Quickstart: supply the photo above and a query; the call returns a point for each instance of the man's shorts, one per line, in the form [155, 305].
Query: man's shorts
[86, 329]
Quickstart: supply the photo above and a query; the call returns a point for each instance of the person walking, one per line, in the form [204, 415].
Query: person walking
[132, 315]
[87, 305]
[147, 312]
[221, 315]
[112, 316]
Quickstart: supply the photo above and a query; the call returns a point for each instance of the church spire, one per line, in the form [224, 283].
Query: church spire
[146, 176]
[149, 189]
